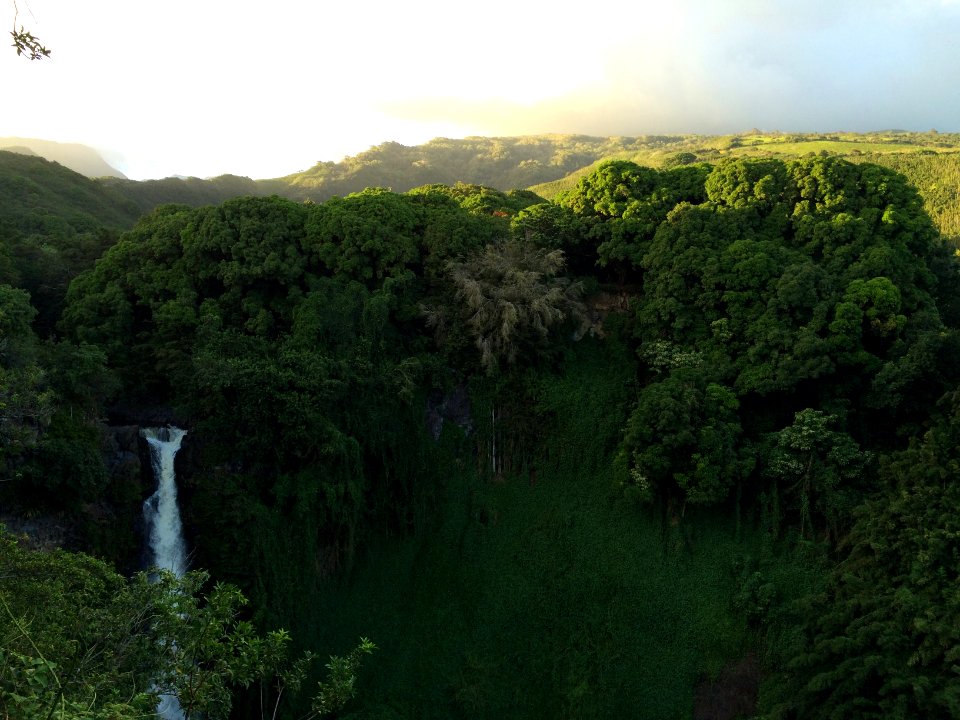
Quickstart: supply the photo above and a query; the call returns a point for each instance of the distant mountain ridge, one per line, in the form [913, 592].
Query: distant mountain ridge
[79, 158]
[20, 150]
[549, 164]
[37, 195]
[504, 163]
[147, 194]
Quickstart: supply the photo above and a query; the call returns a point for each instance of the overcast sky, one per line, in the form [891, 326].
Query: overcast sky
[266, 88]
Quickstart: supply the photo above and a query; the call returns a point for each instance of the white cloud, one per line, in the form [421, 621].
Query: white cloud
[196, 87]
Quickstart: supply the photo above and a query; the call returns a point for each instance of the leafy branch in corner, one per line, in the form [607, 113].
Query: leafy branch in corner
[26, 42]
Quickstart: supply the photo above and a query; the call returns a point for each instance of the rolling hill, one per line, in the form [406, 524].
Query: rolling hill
[550, 164]
[79, 158]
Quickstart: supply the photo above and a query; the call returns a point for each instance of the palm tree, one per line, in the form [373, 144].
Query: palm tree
[511, 296]
[509, 299]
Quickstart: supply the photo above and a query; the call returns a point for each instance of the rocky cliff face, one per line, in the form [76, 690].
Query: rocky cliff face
[43, 532]
[452, 406]
[110, 526]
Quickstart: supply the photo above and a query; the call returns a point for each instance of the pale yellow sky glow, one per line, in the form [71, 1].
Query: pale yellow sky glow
[268, 88]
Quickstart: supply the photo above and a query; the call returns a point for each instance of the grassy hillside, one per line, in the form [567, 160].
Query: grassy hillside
[504, 163]
[930, 161]
[936, 176]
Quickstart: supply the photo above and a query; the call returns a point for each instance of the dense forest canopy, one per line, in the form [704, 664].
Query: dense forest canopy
[743, 366]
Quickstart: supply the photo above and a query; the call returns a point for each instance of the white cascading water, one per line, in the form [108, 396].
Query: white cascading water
[160, 510]
[168, 550]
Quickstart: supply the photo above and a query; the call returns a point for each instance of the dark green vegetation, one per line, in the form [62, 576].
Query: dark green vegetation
[148, 194]
[53, 223]
[678, 444]
[80, 642]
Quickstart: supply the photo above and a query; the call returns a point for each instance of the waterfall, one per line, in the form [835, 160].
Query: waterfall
[162, 516]
[160, 511]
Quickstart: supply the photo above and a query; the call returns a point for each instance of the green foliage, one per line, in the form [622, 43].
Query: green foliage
[935, 177]
[759, 184]
[206, 650]
[483, 200]
[609, 190]
[546, 225]
[16, 314]
[542, 595]
[49, 392]
[26, 402]
[80, 642]
[881, 639]
[367, 236]
[27, 683]
[341, 687]
[621, 205]
[70, 626]
[817, 468]
[66, 466]
[53, 223]
[683, 434]
[929, 161]
[778, 281]
[291, 336]
[446, 232]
